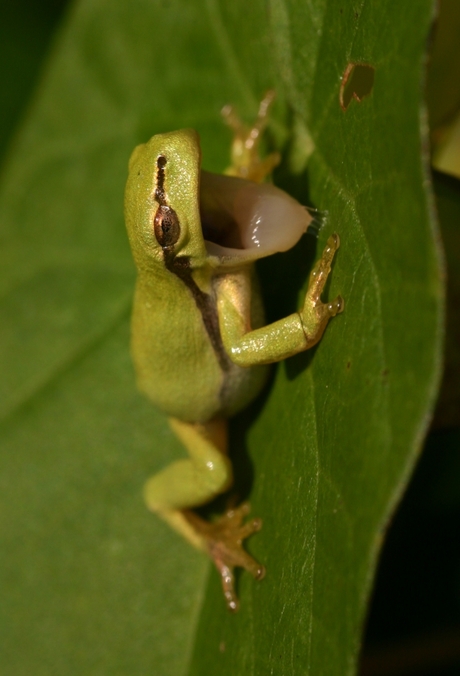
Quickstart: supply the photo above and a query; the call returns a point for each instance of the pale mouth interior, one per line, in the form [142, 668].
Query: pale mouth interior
[245, 220]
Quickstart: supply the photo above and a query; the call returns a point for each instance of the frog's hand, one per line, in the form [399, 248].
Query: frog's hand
[283, 338]
[246, 162]
[195, 481]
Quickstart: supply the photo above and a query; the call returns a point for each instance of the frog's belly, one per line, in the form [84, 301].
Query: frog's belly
[178, 370]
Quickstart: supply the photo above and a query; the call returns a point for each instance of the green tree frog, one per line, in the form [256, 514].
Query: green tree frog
[199, 343]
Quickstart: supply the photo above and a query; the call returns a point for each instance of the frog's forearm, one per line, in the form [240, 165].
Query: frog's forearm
[266, 345]
[284, 338]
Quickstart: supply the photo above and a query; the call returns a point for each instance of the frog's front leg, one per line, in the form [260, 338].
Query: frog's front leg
[246, 162]
[195, 481]
[286, 337]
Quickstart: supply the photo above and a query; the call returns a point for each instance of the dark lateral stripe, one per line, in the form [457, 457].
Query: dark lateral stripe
[204, 303]
[160, 182]
[181, 267]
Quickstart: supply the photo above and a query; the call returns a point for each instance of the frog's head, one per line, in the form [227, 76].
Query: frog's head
[161, 199]
[175, 212]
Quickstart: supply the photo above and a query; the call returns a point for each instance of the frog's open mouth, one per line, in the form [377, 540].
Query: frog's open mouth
[245, 220]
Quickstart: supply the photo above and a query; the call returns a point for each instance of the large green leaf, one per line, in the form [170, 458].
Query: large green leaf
[25, 28]
[91, 582]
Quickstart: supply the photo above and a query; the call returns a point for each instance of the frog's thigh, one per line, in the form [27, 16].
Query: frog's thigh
[193, 481]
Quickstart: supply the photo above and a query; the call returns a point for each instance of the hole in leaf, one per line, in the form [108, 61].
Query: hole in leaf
[357, 82]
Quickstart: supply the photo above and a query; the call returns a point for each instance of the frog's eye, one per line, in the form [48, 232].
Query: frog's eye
[167, 227]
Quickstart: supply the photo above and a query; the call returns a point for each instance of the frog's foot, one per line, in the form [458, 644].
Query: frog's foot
[223, 540]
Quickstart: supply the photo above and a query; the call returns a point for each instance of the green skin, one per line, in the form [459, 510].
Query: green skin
[198, 344]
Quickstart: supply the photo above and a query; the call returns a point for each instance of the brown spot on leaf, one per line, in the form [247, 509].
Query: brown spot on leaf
[357, 82]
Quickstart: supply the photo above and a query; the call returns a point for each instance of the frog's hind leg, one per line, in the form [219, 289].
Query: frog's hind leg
[195, 481]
